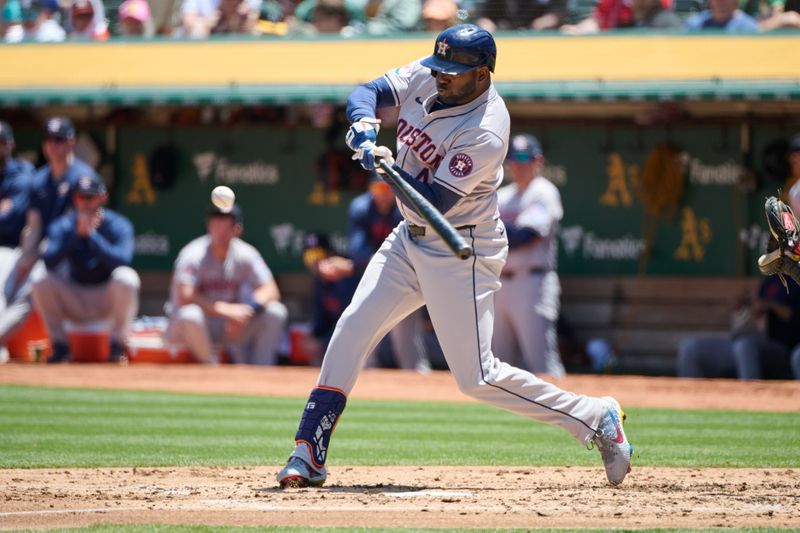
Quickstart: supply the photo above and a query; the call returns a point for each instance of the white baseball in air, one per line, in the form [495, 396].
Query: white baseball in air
[223, 197]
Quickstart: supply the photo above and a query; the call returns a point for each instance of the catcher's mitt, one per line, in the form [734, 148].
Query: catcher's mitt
[783, 249]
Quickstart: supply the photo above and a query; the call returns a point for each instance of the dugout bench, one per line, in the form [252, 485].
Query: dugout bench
[645, 318]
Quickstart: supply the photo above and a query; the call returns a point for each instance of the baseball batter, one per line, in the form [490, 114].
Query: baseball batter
[452, 136]
[527, 307]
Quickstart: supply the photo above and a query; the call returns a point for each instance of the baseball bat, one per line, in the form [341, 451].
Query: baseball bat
[431, 215]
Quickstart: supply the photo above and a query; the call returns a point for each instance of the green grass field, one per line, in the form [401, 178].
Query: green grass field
[56, 427]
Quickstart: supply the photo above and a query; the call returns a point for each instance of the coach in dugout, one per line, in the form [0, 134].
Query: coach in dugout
[88, 253]
[224, 294]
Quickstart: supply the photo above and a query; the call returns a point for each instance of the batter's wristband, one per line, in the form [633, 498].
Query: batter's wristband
[258, 308]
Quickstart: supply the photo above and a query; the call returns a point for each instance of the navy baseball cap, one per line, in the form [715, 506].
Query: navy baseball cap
[59, 128]
[6, 133]
[235, 212]
[794, 144]
[524, 148]
[90, 185]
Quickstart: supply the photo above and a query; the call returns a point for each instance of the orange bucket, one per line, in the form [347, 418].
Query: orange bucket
[298, 344]
[89, 342]
[148, 346]
[30, 342]
[160, 356]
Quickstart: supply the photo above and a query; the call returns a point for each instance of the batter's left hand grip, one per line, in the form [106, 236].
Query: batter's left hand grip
[431, 215]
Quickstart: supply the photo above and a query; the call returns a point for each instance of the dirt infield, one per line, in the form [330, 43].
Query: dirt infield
[435, 497]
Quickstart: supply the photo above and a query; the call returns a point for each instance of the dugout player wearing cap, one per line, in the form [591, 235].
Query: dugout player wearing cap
[52, 186]
[88, 255]
[452, 139]
[223, 293]
[333, 287]
[526, 308]
[15, 181]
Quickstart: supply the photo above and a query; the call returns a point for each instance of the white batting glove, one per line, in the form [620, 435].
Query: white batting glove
[382, 153]
[363, 131]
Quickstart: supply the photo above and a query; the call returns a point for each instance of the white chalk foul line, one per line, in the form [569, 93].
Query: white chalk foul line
[71, 511]
[431, 493]
[318, 507]
[255, 505]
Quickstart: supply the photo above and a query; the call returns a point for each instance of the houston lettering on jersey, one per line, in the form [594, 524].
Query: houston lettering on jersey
[419, 142]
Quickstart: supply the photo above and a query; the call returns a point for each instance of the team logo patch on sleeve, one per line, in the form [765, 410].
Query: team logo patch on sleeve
[460, 165]
[404, 71]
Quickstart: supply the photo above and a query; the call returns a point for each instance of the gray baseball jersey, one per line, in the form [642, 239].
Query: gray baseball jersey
[537, 207]
[462, 148]
[230, 280]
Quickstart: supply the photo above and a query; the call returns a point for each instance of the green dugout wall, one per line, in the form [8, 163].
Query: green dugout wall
[290, 181]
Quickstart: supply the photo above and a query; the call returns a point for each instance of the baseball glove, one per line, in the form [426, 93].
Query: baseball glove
[783, 249]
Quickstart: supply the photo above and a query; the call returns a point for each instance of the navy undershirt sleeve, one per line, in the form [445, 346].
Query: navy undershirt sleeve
[518, 235]
[116, 247]
[440, 197]
[366, 98]
[61, 240]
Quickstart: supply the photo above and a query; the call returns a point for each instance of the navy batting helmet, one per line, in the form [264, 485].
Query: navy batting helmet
[462, 48]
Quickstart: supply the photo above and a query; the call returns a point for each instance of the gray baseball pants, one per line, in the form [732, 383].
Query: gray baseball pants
[59, 299]
[526, 313]
[408, 345]
[256, 345]
[720, 356]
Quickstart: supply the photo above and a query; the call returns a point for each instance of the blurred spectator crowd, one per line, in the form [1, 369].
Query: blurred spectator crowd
[60, 20]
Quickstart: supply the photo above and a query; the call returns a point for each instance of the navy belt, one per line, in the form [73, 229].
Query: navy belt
[419, 231]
